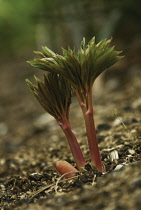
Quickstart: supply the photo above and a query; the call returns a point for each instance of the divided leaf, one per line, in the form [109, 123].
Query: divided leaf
[80, 68]
[54, 94]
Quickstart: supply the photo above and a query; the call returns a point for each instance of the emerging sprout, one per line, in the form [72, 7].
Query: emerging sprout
[65, 168]
[79, 70]
[54, 94]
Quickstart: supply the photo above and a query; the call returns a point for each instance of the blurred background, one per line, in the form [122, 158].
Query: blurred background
[27, 25]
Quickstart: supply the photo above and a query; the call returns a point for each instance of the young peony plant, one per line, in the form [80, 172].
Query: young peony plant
[54, 95]
[78, 70]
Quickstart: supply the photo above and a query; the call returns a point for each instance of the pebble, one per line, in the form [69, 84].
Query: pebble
[118, 167]
[114, 155]
[23, 196]
[35, 176]
[117, 121]
[2, 187]
[131, 151]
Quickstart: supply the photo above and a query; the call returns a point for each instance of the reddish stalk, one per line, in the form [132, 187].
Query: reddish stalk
[74, 146]
[90, 128]
[92, 140]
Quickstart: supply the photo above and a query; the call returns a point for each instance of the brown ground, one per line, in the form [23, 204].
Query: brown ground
[31, 141]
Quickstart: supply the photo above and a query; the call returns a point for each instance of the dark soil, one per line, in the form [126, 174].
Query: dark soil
[31, 141]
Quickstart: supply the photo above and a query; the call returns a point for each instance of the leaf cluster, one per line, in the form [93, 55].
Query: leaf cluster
[79, 68]
[54, 94]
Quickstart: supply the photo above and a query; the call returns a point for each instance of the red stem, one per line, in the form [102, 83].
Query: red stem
[90, 128]
[92, 140]
[74, 146]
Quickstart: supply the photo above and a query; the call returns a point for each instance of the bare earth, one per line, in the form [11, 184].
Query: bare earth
[31, 141]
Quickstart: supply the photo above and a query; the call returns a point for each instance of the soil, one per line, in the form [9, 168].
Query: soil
[31, 142]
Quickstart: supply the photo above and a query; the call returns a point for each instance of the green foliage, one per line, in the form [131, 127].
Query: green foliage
[79, 68]
[79, 71]
[54, 94]
[16, 25]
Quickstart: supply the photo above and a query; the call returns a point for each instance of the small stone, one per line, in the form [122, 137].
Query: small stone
[2, 162]
[23, 196]
[35, 176]
[117, 121]
[118, 167]
[131, 151]
[2, 187]
[114, 155]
